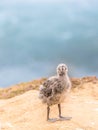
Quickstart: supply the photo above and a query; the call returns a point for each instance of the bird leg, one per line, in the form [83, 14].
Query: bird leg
[61, 117]
[59, 107]
[48, 119]
[48, 111]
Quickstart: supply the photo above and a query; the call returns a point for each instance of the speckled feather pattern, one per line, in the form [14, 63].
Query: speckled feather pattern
[53, 91]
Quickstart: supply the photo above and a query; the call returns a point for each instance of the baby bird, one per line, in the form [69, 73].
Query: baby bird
[54, 89]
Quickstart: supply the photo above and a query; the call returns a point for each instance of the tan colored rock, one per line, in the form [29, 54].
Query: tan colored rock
[26, 112]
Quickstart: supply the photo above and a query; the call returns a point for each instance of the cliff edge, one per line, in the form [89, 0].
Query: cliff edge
[25, 111]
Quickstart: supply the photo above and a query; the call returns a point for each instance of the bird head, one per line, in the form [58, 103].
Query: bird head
[62, 69]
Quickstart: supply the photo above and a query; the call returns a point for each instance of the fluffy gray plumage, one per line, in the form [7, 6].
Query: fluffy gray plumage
[53, 91]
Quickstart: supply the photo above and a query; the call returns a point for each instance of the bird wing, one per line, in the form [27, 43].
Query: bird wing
[53, 87]
[51, 83]
[48, 87]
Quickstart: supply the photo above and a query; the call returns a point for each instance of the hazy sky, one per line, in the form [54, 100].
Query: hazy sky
[36, 35]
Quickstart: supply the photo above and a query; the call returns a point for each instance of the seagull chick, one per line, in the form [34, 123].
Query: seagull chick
[54, 89]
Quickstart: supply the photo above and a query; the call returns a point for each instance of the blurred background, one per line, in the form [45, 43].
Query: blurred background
[37, 35]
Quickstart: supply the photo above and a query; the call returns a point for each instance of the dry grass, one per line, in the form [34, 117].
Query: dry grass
[77, 83]
[20, 88]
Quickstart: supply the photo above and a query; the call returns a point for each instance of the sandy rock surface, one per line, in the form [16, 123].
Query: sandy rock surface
[26, 112]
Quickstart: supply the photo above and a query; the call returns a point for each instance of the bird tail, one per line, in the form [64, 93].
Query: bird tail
[41, 89]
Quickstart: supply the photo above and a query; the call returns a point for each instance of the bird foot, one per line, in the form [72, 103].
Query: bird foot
[52, 120]
[61, 118]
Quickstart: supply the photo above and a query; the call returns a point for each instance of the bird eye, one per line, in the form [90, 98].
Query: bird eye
[64, 68]
[59, 69]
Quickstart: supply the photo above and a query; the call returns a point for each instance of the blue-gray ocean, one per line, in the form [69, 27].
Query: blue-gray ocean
[35, 36]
